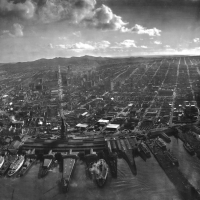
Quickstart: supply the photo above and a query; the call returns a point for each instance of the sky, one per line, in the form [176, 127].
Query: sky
[35, 29]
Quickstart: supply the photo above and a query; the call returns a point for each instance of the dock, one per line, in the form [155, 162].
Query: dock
[124, 147]
[186, 190]
[68, 162]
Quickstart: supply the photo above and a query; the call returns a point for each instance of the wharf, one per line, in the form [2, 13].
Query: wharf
[68, 162]
[188, 136]
[79, 145]
[125, 148]
[186, 190]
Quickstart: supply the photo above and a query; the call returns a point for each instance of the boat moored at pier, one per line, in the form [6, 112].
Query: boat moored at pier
[16, 165]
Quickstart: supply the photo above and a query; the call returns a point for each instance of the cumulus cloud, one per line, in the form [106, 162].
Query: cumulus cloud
[102, 45]
[142, 30]
[104, 18]
[157, 42]
[51, 45]
[144, 47]
[77, 34]
[25, 9]
[196, 40]
[73, 11]
[80, 46]
[62, 38]
[80, 12]
[17, 31]
[127, 43]
[124, 44]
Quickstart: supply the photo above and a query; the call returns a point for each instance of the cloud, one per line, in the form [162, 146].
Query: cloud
[62, 38]
[73, 11]
[17, 31]
[25, 10]
[103, 18]
[77, 34]
[157, 42]
[7, 32]
[144, 47]
[102, 45]
[82, 12]
[167, 46]
[125, 44]
[142, 30]
[77, 12]
[77, 47]
[196, 40]
[51, 45]
[80, 46]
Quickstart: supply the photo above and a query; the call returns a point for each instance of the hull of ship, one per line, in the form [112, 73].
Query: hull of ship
[101, 182]
[144, 149]
[45, 170]
[2, 162]
[11, 172]
[190, 151]
[102, 177]
[163, 147]
[5, 167]
[23, 171]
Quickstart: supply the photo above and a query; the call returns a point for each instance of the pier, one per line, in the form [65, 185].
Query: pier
[186, 190]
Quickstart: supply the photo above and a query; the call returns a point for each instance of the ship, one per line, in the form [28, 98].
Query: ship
[165, 138]
[172, 158]
[144, 149]
[46, 164]
[188, 148]
[16, 165]
[4, 168]
[161, 143]
[69, 162]
[2, 160]
[100, 171]
[29, 161]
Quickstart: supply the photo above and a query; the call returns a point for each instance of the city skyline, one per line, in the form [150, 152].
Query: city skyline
[33, 29]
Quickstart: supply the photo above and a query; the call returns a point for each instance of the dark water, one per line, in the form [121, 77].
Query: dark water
[150, 183]
[189, 165]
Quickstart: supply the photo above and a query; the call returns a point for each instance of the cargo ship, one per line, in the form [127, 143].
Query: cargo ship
[161, 143]
[165, 138]
[69, 162]
[29, 161]
[144, 149]
[188, 148]
[2, 160]
[5, 166]
[16, 165]
[100, 171]
[46, 164]
[172, 158]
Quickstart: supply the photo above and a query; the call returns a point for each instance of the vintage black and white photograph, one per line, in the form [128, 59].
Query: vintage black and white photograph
[100, 99]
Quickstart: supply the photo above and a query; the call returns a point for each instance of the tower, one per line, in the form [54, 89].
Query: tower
[63, 129]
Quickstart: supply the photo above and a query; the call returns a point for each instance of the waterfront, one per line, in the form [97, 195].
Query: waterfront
[150, 183]
[189, 165]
